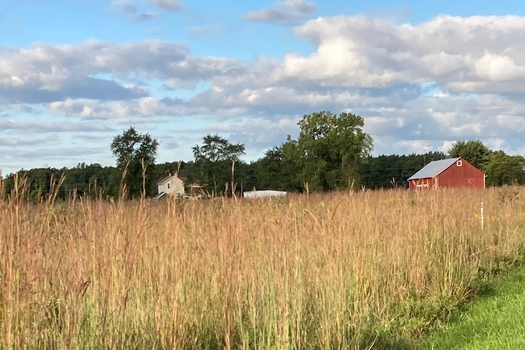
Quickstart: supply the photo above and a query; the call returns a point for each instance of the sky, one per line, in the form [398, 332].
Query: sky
[76, 73]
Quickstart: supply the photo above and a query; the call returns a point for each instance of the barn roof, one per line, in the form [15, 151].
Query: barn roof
[433, 168]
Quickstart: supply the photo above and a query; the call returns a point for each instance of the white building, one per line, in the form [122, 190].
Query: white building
[171, 185]
[264, 194]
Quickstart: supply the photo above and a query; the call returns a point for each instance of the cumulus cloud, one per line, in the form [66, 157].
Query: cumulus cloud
[83, 108]
[419, 87]
[129, 9]
[167, 5]
[257, 133]
[122, 110]
[56, 72]
[283, 12]
[474, 54]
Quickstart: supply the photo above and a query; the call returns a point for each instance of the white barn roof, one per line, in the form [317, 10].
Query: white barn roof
[433, 169]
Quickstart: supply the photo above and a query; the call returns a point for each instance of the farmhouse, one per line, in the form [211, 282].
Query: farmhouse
[448, 173]
[171, 185]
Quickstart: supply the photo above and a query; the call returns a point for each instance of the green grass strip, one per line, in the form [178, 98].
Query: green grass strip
[494, 321]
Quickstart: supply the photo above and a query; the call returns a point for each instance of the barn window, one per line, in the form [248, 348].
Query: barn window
[459, 163]
[168, 186]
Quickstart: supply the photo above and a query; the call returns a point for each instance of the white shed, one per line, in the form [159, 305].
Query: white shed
[263, 194]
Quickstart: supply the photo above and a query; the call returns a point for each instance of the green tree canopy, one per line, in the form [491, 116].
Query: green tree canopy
[332, 148]
[131, 148]
[386, 171]
[214, 159]
[473, 151]
[503, 169]
[279, 168]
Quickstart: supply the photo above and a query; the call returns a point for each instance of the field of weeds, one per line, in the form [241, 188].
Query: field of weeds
[365, 270]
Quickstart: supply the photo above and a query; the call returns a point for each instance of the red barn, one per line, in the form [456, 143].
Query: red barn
[449, 173]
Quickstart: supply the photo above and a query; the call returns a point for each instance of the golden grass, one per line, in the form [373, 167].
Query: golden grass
[335, 271]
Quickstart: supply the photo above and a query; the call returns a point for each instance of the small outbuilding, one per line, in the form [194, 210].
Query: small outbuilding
[264, 194]
[447, 173]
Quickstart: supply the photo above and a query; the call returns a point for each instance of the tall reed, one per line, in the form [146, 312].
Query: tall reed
[349, 270]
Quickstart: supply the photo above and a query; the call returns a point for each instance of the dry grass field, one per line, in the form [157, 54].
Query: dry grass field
[354, 270]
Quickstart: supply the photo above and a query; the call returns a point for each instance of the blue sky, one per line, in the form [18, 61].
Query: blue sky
[75, 73]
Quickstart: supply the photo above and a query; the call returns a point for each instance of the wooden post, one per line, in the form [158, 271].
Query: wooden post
[233, 179]
[482, 218]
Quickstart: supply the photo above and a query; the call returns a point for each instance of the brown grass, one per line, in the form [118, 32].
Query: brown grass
[338, 271]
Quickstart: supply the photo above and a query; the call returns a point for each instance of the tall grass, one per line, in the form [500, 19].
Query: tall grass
[335, 271]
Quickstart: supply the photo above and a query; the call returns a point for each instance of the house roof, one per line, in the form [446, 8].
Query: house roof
[433, 168]
[167, 178]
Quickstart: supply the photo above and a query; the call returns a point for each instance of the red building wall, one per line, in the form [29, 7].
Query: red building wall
[465, 175]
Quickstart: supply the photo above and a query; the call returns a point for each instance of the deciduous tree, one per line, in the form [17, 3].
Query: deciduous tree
[503, 169]
[279, 168]
[332, 148]
[133, 149]
[214, 159]
[473, 151]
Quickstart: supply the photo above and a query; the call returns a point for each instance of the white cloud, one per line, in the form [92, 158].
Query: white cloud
[17, 142]
[167, 5]
[283, 12]
[123, 6]
[498, 68]
[176, 83]
[51, 127]
[80, 108]
[257, 134]
[419, 87]
[120, 110]
[57, 71]
[129, 9]
[145, 16]
[516, 123]
[462, 54]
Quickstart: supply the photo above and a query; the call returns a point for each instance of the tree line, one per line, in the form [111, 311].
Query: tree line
[332, 152]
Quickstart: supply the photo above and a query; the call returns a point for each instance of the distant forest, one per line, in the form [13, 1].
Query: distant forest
[377, 172]
[331, 153]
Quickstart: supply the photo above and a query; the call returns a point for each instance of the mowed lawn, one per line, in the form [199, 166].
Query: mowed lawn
[496, 321]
